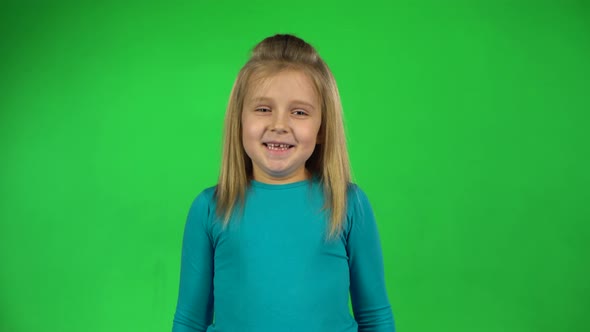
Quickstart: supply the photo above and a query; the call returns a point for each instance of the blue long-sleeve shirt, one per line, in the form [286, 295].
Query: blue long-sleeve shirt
[272, 270]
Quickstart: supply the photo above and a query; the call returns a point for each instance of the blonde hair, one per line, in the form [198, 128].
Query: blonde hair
[329, 161]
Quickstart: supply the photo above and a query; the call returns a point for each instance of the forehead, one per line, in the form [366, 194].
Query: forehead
[283, 85]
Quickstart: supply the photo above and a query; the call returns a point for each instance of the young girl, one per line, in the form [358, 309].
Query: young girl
[285, 237]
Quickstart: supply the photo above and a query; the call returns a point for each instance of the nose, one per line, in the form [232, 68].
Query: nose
[279, 122]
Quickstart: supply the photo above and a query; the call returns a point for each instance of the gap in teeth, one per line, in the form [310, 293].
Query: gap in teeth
[272, 146]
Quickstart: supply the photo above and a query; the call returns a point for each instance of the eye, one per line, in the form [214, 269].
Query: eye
[300, 112]
[262, 109]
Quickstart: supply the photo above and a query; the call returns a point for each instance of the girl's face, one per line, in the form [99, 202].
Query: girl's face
[280, 124]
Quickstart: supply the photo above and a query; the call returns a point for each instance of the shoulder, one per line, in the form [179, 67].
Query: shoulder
[204, 202]
[207, 194]
[359, 212]
[356, 197]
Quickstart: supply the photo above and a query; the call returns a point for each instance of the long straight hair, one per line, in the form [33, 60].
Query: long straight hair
[329, 161]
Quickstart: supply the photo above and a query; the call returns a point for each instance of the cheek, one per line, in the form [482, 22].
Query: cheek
[312, 133]
[250, 132]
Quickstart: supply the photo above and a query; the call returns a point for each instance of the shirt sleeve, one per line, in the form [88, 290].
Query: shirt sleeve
[370, 303]
[194, 309]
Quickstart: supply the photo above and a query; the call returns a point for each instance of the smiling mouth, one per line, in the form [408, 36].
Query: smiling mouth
[278, 147]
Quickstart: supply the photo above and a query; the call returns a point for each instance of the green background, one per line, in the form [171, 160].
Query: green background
[467, 124]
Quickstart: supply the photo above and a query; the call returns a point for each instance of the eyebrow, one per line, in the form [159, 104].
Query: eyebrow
[265, 99]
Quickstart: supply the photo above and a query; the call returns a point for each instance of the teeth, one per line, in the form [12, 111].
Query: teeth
[273, 146]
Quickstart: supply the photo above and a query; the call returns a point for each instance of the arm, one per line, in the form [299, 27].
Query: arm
[370, 304]
[194, 310]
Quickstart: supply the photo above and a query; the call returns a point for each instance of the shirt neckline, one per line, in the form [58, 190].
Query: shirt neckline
[280, 186]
